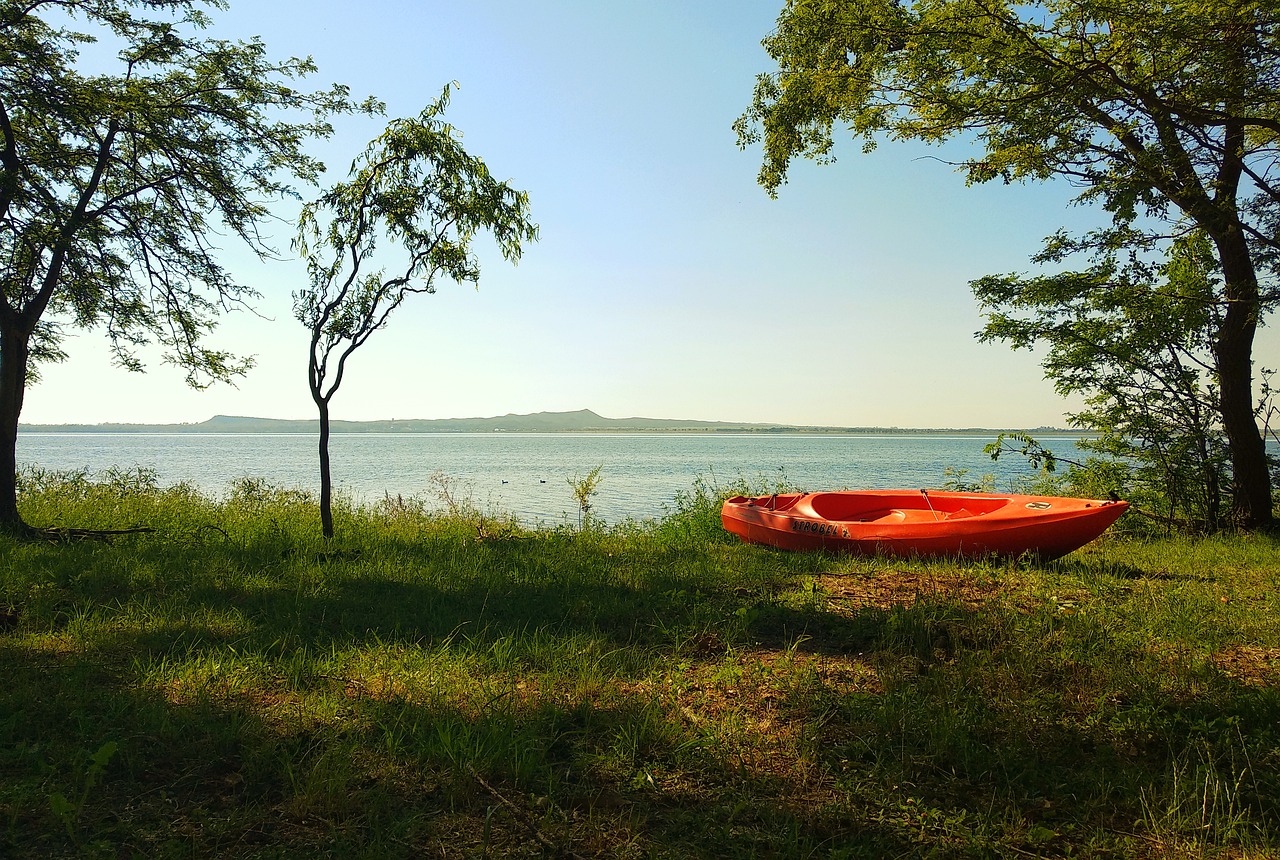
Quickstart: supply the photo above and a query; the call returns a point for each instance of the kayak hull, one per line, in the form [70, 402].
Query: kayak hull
[920, 523]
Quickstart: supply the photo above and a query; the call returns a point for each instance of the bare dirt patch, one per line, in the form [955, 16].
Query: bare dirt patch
[1250, 665]
[907, 587]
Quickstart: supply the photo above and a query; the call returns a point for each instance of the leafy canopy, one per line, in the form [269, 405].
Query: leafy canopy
[415, 187]
[118, 175]
[1135, 341]
[1135, 102]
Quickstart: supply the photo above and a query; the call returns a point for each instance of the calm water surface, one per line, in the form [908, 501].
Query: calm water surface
[527, 473]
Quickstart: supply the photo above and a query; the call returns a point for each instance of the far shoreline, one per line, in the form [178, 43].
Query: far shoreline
[582, 421]
[162, 430]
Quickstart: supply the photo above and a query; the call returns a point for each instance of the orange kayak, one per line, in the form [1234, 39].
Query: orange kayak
[920, 522]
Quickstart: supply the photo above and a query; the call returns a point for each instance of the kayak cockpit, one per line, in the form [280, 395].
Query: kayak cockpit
[898, 507]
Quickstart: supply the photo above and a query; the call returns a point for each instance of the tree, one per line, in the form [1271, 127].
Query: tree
[417, 187]
[1167, 115]
[1136, 343]
[113, 184]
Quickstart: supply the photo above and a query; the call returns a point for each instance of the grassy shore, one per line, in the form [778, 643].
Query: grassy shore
[441, 685]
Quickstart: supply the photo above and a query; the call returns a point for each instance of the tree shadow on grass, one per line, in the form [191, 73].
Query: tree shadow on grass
[230, 736]
[238, 735]
[1091, 568]
[218, 772]
[970, 704]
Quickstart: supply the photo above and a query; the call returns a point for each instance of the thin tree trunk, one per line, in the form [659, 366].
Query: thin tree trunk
[1233, 354]
[13, 382]
[326, 477]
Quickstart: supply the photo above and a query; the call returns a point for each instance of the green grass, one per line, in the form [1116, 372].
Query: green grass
[438, 685]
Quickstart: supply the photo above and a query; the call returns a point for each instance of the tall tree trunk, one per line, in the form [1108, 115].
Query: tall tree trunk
[326, 477]
[1233, 354]
[13, 383]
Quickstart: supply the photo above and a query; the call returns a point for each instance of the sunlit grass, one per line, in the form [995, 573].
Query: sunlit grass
[446, 684]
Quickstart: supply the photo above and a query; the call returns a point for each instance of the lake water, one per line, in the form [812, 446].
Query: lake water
[527, 474]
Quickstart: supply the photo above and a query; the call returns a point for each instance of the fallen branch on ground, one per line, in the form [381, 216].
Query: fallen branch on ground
[524, 818]
[57, 534]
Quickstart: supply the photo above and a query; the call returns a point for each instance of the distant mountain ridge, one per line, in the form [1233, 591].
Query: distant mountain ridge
[579, 421]
[582, 420]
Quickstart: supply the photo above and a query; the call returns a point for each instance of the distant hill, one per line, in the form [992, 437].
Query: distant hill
[583, 420]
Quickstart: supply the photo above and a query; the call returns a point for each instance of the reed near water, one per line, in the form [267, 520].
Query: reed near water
[437, 683]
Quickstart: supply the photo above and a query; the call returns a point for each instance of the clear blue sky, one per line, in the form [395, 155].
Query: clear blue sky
[666, 283]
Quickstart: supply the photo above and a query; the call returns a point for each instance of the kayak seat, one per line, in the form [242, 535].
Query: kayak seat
[883, 515]
[896, 506]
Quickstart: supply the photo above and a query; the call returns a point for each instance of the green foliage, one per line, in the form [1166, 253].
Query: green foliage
[67, 811]
[957, 480]
[112, 176]
[1163, 115]
[1047, 88]
[111, 499]
[584, 489]
[1094, 477]
[1138, 345]
[416, 187]
[695, 513]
